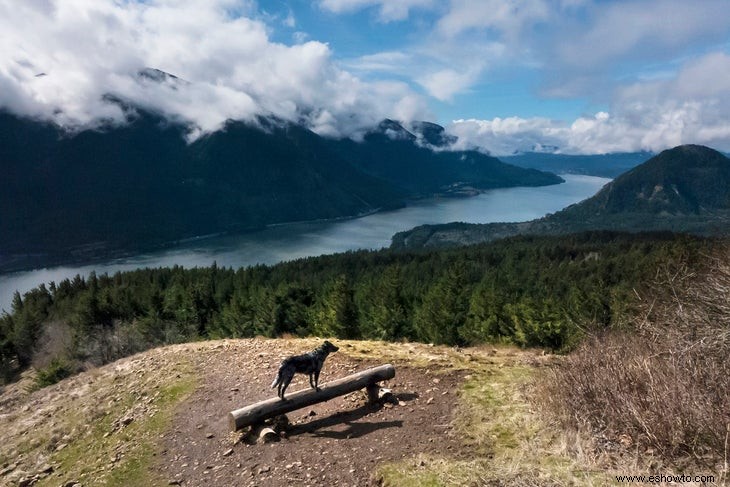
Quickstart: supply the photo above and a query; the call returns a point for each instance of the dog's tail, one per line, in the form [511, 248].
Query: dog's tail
[277, 380]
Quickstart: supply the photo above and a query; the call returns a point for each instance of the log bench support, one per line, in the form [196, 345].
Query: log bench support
[373, 392]
[257, 413]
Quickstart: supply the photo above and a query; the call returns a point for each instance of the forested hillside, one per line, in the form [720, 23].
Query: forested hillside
[531, 291]
[81, 195]
[392, 153]
[142, 184]
[684, 189]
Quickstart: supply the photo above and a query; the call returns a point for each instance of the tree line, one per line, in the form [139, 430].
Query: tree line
[530, 291]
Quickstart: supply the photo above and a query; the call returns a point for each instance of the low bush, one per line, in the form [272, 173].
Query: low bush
[663, 385]
[56, 371]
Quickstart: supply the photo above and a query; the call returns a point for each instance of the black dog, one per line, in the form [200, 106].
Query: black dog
[307, 363]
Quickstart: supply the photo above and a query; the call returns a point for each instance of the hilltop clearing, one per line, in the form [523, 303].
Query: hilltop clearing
[465, 416]
[161, 417]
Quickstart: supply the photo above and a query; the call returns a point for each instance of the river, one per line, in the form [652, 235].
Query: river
[292, 241]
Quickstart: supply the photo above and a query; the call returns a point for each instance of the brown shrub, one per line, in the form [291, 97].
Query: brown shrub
[663, 384]
[56, 342]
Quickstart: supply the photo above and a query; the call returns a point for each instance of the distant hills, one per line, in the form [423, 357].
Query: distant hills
[66, 196]
[603, 165]
[684, 181]
[405, 159]
[684, 189]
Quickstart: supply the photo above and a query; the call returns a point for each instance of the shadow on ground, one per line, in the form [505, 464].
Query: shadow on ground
[354, 428]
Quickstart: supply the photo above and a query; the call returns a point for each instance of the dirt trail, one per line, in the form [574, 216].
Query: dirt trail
[339, 442]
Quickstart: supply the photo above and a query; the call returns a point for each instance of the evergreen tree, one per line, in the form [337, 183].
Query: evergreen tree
[28, 323]
[264, 306]
[444, 308]
[387, 312]
[291, 310]
[532, 291]
[237, 317]
[486, 320]
[8, 357]
[337, 314]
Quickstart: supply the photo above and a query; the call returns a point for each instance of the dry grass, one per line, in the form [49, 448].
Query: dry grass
[658, 396]
[508, 442]
[96, 428]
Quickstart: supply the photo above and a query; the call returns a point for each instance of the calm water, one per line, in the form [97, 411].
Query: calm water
[287, 242]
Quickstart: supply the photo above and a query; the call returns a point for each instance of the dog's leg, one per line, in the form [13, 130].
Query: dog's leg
[316, 379]
[312, 382]
[277, 380]
[285, 383]
[283, 379]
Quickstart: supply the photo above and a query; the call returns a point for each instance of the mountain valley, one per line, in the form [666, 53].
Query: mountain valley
[684, 189]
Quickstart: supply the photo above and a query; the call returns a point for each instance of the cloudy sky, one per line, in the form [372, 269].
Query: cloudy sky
[585, 76]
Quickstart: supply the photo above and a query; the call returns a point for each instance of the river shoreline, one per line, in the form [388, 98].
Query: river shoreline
[292, 240]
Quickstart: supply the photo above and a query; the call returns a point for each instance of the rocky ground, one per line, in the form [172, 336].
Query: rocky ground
[339, 442]
[162, 416]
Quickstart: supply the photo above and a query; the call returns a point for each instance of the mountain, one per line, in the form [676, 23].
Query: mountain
[391, 152]
[433, 134]
[141, 184]
[603, 165]
[125, 187]
[689, 179]
[684, 189]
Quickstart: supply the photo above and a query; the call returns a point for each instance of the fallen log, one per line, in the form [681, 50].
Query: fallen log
[256, 413]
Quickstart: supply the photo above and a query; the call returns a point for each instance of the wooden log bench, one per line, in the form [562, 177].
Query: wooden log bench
[257, 413]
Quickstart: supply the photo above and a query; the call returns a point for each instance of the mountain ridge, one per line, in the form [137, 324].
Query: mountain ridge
[393, 153]
[602, 165]
[683, 189]
[117, 188]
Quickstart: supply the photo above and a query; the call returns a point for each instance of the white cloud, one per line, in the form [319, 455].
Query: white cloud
[446, 83]
[594, 48]
[691, 107]
[388, 61]
[89, 48]
[503, 136]
[708, 76]
[388, 10]
[440, 68]
[638, 58]
[300, 37]
[615, 31]
[290, 21]
[507, 17]
[577, 48]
